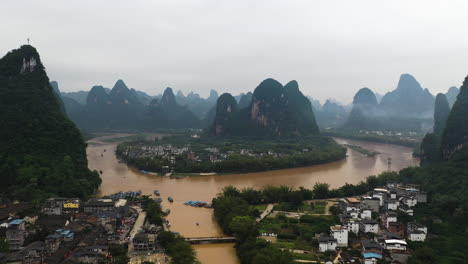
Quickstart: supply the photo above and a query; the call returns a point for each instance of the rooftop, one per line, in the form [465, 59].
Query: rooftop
[372, 255]
[16, 222]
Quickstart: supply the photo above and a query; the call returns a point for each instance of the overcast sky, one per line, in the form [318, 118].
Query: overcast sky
[332, 48]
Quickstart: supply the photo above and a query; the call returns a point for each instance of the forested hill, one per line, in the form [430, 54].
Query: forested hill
[41, 150]
[274, 110]
[445, 177]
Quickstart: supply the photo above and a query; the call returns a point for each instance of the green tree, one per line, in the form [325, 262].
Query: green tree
[321, 190]
[243, 227]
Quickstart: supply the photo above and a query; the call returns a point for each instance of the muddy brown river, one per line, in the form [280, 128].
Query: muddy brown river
[119, 177]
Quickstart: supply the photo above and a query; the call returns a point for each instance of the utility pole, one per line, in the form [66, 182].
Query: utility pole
[389, 163]
[28, 41]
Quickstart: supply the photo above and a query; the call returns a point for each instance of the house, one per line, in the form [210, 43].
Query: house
[406, 209]
[33, 253]
[52, 243]
[327, 243]
[395, 244]
[72, 206]
[413, 226]
[410, 201]
[347, 258]
[91, 254]
[16, 233]
[389, 217]
[98, 205]
[382, 196]
[392, 204]
[354, 213]
[143, 242]
[417, 235]
[371, 203]
[366, 214]
[371, 257]
[396, 227]
[371, 251]
[353, 226]
[340, 233]
[369, 226]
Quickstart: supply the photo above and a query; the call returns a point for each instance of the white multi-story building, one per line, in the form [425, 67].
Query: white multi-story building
[366, 214]
[417, 235]
[410, 201]
[340, 233]
[327, 244]
[353, 226]
[369, 226]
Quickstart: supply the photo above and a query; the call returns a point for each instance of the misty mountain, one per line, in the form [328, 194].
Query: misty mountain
[332, 115]
[316, 105]
[274, 110]
[452, 95]
[408, 99]
[245, 100]
[407, 108]
[364, 105]
[122, 109]
[196, 104]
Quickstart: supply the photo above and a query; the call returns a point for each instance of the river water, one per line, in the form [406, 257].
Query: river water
[119, 177]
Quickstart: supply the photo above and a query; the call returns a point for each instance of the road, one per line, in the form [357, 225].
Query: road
[136, 227]
[266, 212]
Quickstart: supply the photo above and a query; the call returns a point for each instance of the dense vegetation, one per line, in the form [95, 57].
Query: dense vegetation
[41, 151]
[431, 142]
[291, 152]
[408, 139]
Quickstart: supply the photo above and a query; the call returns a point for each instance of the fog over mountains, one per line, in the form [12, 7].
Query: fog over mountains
[409, 107]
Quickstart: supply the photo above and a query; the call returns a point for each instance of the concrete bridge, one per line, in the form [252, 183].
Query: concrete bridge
[210, 240]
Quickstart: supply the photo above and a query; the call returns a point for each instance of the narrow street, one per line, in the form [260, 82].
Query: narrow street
[136, 227]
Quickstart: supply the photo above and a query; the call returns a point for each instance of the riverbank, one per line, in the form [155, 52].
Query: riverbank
[120, 177]
[404, 141]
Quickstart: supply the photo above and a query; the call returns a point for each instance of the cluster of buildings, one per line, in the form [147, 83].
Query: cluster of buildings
[169, 153]
[371, 224]
[67, 230]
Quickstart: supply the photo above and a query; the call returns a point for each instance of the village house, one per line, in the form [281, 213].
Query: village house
[413, 226]
[371, 203]
[366, 214]
[392, 204]
[410, 201]
[327, 243]
[372, 251]
[33, 253]
[389, 217]
[353, 225]
[406, 209]
[339, 233]
[417, 235]
[16, 233]
[98, 205]
[395, 244]
[369, 226]
[143, 242]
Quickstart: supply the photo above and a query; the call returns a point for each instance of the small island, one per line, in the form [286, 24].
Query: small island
[362, 150]
[192, 155]
[275, 130]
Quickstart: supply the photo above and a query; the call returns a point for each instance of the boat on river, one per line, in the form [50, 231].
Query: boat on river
[170, 199]
[156, 192]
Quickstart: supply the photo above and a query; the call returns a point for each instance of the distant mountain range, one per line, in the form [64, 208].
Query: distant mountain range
[407, 108]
